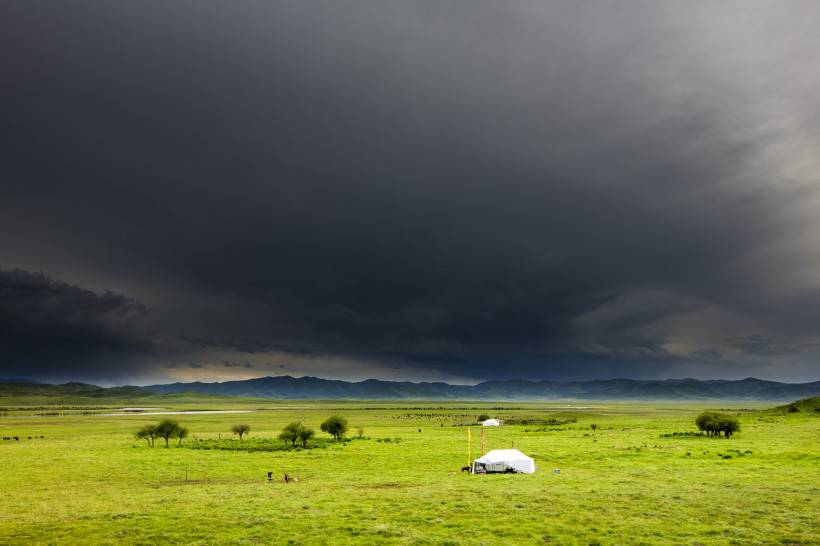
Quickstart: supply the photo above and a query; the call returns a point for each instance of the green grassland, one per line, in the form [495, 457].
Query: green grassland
[88, 481]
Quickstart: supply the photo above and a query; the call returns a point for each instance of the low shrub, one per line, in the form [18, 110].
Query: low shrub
[260, 444]
[552, 422]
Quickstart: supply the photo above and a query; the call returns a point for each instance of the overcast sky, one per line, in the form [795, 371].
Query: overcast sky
[423, 190]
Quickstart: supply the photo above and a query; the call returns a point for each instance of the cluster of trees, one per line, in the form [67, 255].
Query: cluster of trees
[335, 426]
[166, 429]
[294, 432]
[297, 432]
[716, 423]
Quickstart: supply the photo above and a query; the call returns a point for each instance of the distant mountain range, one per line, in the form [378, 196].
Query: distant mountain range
[609, 389]
[15, 388]
[287, 387]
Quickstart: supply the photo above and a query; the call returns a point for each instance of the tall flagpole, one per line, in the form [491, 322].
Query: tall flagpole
[482, 442]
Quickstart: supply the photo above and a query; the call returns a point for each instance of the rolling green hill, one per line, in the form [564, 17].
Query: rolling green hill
[806, 405]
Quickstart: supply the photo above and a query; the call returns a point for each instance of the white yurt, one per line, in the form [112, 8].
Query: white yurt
[491, 423]
[503, 460]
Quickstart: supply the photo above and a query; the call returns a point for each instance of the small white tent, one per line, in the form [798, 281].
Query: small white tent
[504, 460]
[491, 423]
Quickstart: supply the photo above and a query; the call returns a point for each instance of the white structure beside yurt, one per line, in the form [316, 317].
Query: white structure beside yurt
[503, 460]
[491, 423]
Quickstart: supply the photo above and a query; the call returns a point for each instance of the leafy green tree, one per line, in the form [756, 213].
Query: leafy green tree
[335, 426]
[707, 422]
[305, 434]
[147, 433]
[714, 423]
[290, 434]
[180, 433]
[166, 429]
[241, 430]
[482, 417]
[728, 424]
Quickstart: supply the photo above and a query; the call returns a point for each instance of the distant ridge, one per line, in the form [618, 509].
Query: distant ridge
[305, 388]
[288, 387]
[14, 388]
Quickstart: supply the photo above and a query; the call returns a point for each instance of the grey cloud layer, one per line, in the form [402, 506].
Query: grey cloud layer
[49, 327]
[565, 190]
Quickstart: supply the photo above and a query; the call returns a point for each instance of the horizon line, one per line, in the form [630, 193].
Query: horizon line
[288, 376]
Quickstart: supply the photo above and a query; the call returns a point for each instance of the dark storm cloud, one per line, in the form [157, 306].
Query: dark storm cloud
[237, 365]
[471, 189]
[49, 327]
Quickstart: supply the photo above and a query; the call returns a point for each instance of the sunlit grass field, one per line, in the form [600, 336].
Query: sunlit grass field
[88, 481]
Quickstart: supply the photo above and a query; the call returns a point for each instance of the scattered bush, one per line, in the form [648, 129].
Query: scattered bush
[687, 434]
[260, 444]
[537, 421]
